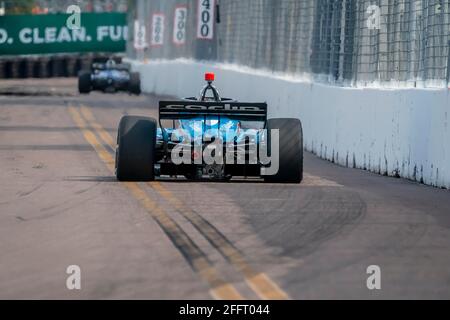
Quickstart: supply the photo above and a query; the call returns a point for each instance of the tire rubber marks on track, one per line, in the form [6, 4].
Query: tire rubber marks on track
[195, 257]
[260, 283]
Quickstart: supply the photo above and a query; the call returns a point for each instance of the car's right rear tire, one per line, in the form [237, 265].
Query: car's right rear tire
[290, 150]
[135, 83]
[84, 82]
[135, 153]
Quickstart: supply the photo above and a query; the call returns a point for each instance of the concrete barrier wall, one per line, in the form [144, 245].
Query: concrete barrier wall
[395, 132]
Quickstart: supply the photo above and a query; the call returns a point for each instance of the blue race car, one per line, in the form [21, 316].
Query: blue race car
[109, 77]
[211, 138]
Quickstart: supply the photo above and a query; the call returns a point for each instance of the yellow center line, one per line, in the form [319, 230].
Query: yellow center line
[259, 282]
[219, 288]
[104, 135]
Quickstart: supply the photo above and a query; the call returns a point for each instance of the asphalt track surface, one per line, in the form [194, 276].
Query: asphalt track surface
[60, 205]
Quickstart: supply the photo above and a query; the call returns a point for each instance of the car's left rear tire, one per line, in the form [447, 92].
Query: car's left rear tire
[135, 153]
[134, 85]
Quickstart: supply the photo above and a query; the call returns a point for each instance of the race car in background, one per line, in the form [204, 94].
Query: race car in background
[109, 77]
[192, 125]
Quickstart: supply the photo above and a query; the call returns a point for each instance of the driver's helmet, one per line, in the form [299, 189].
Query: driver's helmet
[110, 64]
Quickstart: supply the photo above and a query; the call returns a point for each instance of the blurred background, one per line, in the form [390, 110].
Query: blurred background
[342, 42]
[60, 6]
[43, 60]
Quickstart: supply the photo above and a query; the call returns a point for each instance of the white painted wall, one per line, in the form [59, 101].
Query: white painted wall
[401, 132]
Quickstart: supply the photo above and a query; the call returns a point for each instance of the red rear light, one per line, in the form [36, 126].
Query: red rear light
[209, 77]
[195, 155]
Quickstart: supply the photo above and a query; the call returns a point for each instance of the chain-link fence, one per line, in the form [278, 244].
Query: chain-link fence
[340, 41]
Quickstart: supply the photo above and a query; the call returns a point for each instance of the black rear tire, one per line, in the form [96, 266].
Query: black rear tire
[135, 83]
[84, 82]
[135, 153]
[290, 150]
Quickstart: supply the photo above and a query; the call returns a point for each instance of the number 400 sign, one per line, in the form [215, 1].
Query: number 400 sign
[205, 19]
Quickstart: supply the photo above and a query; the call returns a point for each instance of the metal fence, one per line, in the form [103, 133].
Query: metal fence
[340, 41]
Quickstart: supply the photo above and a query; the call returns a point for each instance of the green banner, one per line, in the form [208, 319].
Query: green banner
[53, 33]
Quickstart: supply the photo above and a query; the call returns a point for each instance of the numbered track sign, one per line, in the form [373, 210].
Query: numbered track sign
[140, 42]
[205, 19]
[179, 27]
[157, 29]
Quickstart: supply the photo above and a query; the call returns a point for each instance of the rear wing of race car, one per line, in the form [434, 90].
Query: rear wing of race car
[98, 66]
[102, 66]
[173, 110]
